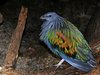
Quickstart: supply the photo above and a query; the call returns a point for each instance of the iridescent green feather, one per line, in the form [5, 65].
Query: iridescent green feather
[70, 42]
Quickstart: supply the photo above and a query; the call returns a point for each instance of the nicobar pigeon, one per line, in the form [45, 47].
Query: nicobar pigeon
[64, 39]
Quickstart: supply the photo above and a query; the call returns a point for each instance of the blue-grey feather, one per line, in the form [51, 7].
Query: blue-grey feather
[61, 24]
[77, 63]
[58, 26]
[44, 24]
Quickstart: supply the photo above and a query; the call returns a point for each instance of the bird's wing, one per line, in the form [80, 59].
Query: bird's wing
[70, 44]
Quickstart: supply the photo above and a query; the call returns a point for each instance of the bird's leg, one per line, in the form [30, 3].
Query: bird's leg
[57, 65]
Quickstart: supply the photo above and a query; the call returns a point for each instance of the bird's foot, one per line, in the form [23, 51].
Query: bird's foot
[57, 65]
[60, 63]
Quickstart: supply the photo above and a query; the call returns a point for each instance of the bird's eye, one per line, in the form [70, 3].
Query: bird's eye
[49, 15]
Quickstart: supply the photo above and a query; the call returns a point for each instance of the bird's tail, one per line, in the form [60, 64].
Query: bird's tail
[79, 64]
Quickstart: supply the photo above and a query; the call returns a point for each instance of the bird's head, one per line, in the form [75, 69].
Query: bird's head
[49, 16]
[53, 23]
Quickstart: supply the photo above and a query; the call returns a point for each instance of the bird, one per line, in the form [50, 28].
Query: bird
[65, 40]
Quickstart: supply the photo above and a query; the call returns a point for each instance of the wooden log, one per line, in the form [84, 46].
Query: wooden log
[12, 52]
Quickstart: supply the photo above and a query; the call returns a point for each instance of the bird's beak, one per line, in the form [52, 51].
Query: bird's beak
[42, 17]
